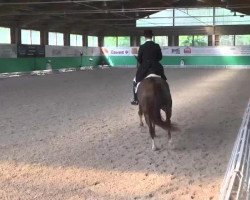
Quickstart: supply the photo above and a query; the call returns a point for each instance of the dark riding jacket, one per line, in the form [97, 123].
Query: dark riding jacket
[149, 57]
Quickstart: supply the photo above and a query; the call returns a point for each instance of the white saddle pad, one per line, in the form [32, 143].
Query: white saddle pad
[149, 76]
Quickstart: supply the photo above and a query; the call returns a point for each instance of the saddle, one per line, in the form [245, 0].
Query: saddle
[148, 76]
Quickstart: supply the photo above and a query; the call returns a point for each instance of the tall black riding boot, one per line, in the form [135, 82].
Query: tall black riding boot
[135, 100]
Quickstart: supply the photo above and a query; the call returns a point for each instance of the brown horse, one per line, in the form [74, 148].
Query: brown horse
[154, 95]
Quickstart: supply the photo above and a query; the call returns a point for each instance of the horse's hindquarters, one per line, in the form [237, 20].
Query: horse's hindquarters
[154, 95]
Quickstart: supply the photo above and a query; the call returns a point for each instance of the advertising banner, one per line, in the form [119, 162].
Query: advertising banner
[26, 51]
[58, 51]
[207, 51]
[119, 51]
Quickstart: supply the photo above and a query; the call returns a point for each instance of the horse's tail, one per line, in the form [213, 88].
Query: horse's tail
[158, 121]
[157, 118]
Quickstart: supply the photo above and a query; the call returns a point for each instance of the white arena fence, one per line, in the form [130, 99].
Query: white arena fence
[236, 183]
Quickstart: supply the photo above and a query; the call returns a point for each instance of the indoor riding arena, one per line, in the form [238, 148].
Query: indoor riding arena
[68, 130]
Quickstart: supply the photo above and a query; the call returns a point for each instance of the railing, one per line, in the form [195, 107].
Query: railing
[236, 183]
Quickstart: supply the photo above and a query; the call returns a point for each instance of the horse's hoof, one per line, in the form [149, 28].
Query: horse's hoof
[155, 148]
[171, 144]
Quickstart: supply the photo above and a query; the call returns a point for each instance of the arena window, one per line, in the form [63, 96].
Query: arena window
[56, 39]
[30, 37]
[117, 41]
[226, 40]
[193, 40]
[123, 41]
[5, 35]
[161, 40]
[75, 40]
[193, 17]
[242, 40]
[92, 41]
[110, 41]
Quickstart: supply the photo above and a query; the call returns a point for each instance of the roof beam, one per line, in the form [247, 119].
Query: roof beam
[55, 2]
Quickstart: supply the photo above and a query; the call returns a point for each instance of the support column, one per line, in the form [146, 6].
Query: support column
[85, 40]
[66, 39]
[100, 41]
[15, 34]
[135, 41]
[173, 40]
[210, 40]
[216, 40]
[44, 37]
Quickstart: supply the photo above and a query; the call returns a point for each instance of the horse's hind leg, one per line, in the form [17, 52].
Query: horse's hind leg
[151, 131]
[168, 121]
[169, 130]
[140, 113]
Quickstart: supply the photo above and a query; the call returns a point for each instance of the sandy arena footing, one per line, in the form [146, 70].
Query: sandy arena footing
[76, 136]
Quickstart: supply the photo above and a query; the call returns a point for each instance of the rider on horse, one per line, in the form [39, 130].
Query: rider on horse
[149, 56]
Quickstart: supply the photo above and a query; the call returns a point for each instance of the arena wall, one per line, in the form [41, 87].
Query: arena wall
[14, 59]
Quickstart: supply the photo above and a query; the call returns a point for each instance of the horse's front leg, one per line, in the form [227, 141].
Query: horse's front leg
[140, 113]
